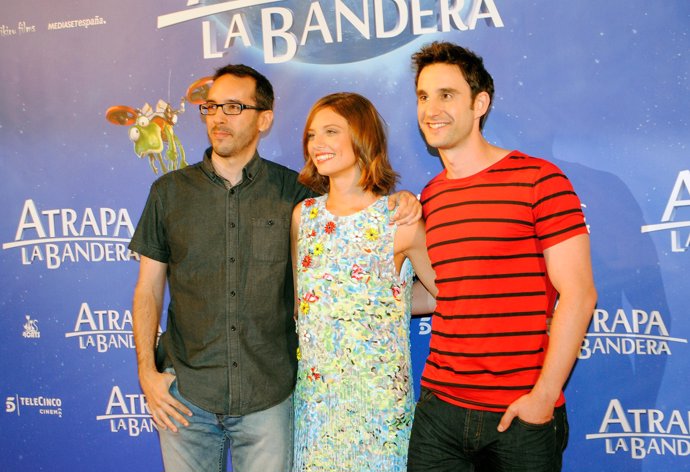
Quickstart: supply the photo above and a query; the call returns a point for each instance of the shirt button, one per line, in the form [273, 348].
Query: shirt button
[232, 191]
[232, 225]
[233, 328]
[232, 259]
[234, 364]
[232, 293]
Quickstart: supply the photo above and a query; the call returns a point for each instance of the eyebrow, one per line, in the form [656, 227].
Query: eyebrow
[230, 100]
[328, 125]
[441, 90]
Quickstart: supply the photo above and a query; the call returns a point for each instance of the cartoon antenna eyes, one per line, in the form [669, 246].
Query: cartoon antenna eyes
[152, 130]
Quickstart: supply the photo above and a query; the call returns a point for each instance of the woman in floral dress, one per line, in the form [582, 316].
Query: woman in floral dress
[353, 277]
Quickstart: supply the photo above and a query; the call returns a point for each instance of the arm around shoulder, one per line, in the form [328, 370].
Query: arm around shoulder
[409, 210]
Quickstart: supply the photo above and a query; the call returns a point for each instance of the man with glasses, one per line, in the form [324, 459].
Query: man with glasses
[224, 370]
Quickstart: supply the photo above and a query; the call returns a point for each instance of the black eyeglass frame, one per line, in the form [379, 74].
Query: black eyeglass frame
[205, 108]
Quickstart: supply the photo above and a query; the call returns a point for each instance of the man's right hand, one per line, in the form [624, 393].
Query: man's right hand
[163, 406]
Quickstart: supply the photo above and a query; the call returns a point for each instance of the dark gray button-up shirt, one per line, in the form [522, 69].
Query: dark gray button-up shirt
[230, 333]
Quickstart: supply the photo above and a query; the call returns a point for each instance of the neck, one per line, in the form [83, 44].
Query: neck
[230, 168]
[470, 158]
[347, 199]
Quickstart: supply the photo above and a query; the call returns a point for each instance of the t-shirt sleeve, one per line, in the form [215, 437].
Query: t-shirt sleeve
[301, 192]
[557, 209]
[149, 238]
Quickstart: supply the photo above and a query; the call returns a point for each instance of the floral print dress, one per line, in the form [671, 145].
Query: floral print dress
[353, 399]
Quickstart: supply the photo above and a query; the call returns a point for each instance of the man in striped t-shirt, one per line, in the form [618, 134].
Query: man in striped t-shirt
[507, 238]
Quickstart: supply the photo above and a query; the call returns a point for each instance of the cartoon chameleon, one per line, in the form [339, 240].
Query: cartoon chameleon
[152, 131]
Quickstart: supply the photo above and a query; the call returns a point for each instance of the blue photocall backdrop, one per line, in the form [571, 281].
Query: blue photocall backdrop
[600, 88]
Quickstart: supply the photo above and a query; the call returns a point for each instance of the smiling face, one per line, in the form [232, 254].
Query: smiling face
[446, 112]
[235, 136]
[329, 145]
[344, 133]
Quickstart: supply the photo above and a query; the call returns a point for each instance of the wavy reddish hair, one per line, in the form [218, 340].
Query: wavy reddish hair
[369, 142]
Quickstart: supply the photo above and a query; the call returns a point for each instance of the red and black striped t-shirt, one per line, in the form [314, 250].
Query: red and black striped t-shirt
[486, 235]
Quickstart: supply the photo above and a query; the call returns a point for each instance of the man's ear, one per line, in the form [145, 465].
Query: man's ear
[482, 102]
[265, 120]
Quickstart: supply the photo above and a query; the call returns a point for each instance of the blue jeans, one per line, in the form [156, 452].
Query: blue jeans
[449, 438]
[258, 442]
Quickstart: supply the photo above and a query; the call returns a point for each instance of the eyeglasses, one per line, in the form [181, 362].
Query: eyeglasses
[231, 108]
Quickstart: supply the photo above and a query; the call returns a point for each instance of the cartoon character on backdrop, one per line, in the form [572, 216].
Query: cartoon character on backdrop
[152, 131]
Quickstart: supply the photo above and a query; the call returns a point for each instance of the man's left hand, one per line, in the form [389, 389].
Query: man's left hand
[529, 408]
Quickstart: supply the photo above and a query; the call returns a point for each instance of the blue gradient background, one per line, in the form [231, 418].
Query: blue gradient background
[600, 88]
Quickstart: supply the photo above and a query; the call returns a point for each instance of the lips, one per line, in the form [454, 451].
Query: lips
[220, 132]
[323, 157]
[437, 125]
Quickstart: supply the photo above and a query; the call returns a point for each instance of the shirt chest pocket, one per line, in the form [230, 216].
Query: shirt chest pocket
[270, 239]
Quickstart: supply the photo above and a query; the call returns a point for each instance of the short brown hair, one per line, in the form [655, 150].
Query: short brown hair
[470, 64]
[369, 142]
[264, 90]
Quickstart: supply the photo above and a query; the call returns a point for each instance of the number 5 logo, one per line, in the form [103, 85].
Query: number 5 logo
[10, 405]
[425, 325]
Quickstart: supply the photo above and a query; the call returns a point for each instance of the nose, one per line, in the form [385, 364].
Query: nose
[429, 108]
[218, 117]
[316, 141]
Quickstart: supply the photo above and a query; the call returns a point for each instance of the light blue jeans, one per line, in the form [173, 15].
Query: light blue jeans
[258, 442]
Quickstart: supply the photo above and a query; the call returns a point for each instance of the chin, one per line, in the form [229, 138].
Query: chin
[436, 144]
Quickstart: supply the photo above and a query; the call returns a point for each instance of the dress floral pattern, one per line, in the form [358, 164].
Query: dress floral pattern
[353, 401]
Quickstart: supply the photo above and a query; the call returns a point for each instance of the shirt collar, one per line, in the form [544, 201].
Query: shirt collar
[249, 171]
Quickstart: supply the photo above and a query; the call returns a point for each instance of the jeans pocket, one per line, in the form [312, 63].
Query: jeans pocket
[535, 426]
[425, 396]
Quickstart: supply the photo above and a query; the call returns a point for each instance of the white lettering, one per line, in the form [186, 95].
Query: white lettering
[209, 41]
[682, 185]
[626, 346]
[360, 25]
[55, 255]
[237, 29]
[615, 415]
[637, 322]
[676, 244]
[29, 219]
[316, 12]
[66, 219]
[403, 13]
[417, 15]
[85, 316]
[448, 14]
[135, 403]
[280, 43]
[282, 32]
[491, 12]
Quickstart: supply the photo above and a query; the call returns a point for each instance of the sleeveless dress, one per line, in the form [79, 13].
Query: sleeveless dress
[353, 400]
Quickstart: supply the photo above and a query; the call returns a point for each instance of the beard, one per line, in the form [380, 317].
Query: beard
[232, 143]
